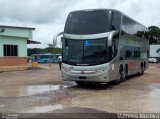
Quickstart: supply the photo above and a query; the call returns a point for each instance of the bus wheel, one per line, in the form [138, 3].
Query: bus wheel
[120, 77]
[124, 74]
[80, 83]
[141, 72]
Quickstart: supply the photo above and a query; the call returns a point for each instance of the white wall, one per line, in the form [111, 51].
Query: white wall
[21, 42]
[154, 50]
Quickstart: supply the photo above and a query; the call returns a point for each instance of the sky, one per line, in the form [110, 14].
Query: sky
[49, 16]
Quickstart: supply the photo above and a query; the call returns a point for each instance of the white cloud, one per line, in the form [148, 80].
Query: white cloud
[48, 16]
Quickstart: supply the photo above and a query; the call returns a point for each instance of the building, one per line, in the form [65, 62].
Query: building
[13, 47]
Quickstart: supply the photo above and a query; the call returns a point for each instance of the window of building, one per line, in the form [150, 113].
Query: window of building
[10, 50]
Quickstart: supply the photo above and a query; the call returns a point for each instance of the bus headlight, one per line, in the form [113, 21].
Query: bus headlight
[101, 70]
[66, 69]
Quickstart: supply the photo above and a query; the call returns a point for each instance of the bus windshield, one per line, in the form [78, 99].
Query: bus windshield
[88, 22]
[86, 52]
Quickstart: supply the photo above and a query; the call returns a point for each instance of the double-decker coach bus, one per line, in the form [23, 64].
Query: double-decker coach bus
[102, 45]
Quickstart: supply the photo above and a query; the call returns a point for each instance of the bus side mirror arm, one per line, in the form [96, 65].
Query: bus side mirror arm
[110, 37]
[55, 39]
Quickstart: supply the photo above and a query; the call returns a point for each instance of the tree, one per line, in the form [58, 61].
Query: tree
[49, 49]
[153, 34]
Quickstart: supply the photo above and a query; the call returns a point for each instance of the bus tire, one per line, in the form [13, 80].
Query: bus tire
[124, 74]
[141, 72]
[80, 83]
[120, 77]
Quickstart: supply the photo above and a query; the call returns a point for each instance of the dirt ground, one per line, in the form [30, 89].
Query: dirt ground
[42, 91]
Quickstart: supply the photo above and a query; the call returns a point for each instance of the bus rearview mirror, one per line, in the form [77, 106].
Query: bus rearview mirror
[110, 37]
[55, 41]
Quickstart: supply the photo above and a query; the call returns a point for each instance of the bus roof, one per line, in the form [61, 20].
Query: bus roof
[108, 10]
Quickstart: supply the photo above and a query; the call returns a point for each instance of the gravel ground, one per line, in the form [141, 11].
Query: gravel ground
[41, 90]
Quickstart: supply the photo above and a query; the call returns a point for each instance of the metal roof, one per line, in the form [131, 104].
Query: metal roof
[33, 42]
[106, 10]
[4, 26]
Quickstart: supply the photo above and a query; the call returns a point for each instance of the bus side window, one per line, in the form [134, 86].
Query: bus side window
[121, 58]
[122, 54]
[128, 54]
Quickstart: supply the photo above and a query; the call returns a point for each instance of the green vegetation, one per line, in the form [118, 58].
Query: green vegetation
[153, 35]
[49, 49]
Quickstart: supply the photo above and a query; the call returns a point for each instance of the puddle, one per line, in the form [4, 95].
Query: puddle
[1, 105]
[42, 109]
[18, 91]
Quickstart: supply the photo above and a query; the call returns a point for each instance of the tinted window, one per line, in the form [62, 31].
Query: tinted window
[97, 52]
[88, 22]
[72, 50]
[128, 25]
[87, 52]
[116, 20]
[132, 27]
[128, 54]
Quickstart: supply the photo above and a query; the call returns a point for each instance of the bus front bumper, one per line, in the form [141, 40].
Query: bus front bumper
[95, 77]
